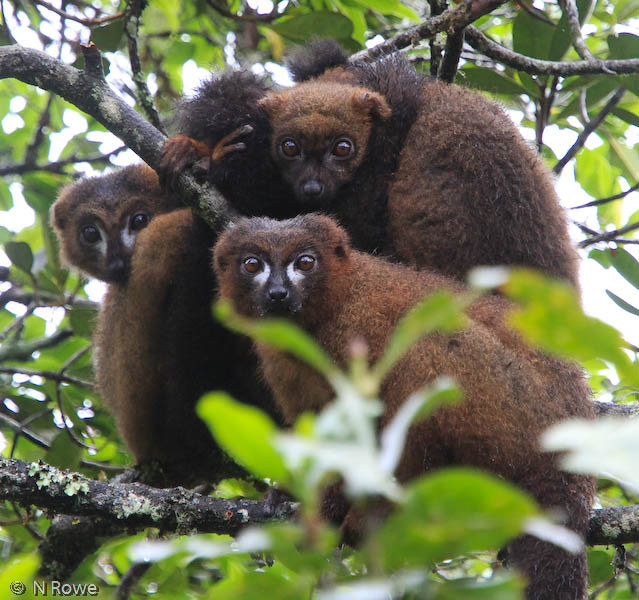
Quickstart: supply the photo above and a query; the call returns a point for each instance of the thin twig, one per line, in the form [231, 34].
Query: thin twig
[535, 13]
[130, 579]
[53, 375]
[57, 166]
[569, 8]
[608, 236]
[133, 15]
[87, 21]
[589, 128]
[536, 66]
[453, 19]
[619, 196]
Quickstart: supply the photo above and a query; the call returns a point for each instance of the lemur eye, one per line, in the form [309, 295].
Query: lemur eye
[139, 221]
[289, 148]
[343, 148]
[252, 264]
[305, 263]
[90, 234]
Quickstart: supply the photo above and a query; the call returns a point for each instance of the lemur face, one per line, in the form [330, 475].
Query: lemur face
[278, 283]
[106, 239]
[98, 219]
[320, 135]
[276, 268]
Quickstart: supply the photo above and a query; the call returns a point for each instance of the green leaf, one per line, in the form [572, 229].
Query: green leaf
[245, 432]
[490, 81]
[595, 174]
[623, 304]
[441, 311]
[390, 7]
[63, 452]
[532, 37]
[318, 24]
[40, 190]
[6, 200]
[21, 568]
[20, 255]
[82, 319]
[626, 264]
[551, 317]
[279, 334]
[108, 37]
[625, 45]
[449, 513]
[600, 567]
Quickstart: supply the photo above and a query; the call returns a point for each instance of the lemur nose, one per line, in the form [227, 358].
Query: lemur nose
[278, 293]
[312, 188]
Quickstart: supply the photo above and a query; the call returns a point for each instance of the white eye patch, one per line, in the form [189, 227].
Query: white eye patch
[294, 274]
[128, 238]
[262, 277]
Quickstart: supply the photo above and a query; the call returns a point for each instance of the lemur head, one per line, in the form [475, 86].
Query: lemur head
[320, 134]
[97, 219]
[280, 268]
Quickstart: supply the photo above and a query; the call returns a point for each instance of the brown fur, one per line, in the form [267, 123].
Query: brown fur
[156, 338]
[440, 179]
[512, 393]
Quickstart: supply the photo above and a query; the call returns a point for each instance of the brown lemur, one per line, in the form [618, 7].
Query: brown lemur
[306, 270]
[427, 173]
[155, 337]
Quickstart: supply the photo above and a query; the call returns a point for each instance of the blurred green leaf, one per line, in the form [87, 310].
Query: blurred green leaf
[20, 255]
[245, 432]
[600, 567]
[108, 37]
[390, 7]
[490, 81]
[532, 37]
[82, 319]
[6, 200]
[551, 317]
[20, 568]
[279, 334]
[64, 453]
[449, 513]
[318, 24]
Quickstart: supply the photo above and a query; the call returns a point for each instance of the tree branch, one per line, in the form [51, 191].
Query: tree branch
[61, 377]
[88, 91]
[132, 18]
[132, 505]
[451, 20]
[600, 201]
[569, 8]
[22, 350]
[536, 66]
[589, 128]
[607, 236]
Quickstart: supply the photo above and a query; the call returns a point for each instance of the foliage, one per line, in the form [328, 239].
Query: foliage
[50, 411]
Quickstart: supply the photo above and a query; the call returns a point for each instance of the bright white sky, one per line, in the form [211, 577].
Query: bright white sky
[595, 280]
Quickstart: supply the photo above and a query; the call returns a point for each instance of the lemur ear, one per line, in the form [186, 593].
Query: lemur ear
[58, 215]
[371, 103]
[271, 104]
